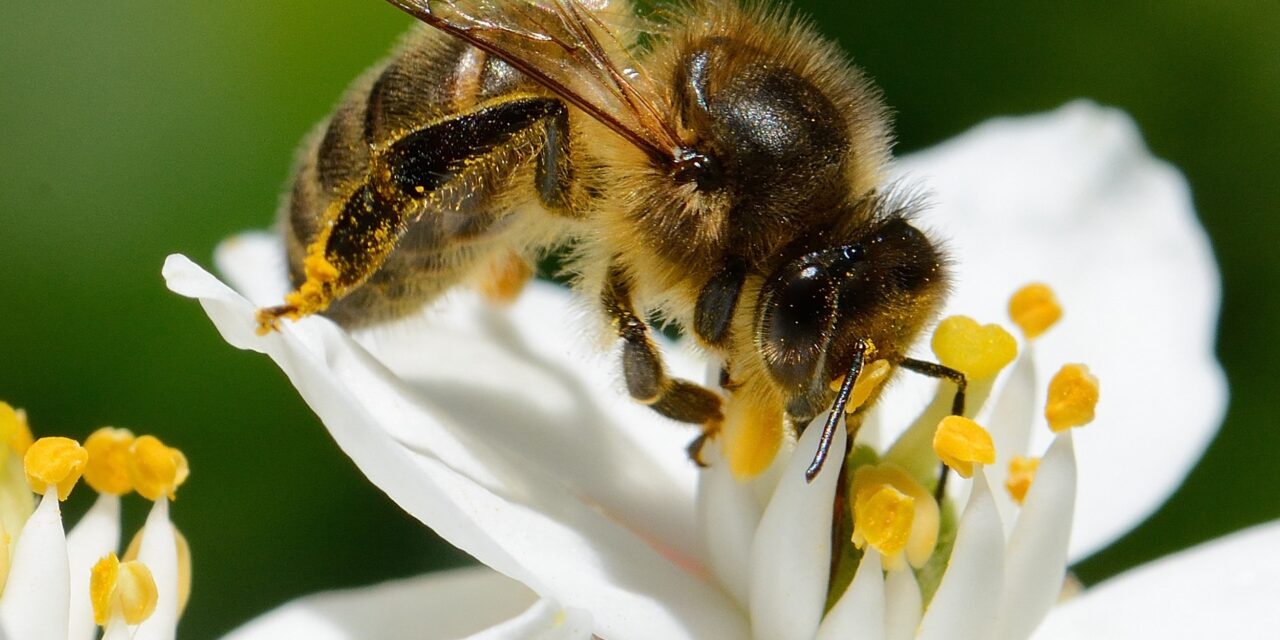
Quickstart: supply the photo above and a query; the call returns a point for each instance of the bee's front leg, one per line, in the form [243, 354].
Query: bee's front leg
[645, 374]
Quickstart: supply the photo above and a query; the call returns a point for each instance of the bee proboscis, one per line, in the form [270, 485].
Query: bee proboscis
[723, 165]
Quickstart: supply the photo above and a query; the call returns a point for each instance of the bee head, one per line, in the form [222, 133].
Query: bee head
[815, 311]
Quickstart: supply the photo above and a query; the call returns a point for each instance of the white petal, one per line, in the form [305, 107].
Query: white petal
[95, 535]
[511, 499]
[159, 551]
[35, 601]
[504, 389]
[728, 516]
[791, 554]
[1013, 413]
[1074, 199]
[474, 602]
[859, 613]
[903, 606]
[1036, 556]
[964, 606]
[1227, 588]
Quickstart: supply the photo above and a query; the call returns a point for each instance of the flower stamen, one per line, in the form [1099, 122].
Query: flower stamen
[108, 468]
[1034, 308]
[895, 515]
[1022, 472]
[870, 379]
[120, 589]
[978, 351]
[55, 461]
[961, 442]
[156, 469]
[1073, 395]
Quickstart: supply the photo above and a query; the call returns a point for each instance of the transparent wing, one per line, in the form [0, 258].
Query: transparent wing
[570, 47]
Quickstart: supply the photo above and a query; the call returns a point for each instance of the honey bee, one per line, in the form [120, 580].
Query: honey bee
[725, 167]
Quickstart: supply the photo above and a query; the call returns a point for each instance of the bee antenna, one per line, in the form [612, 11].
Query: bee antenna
[837, 411]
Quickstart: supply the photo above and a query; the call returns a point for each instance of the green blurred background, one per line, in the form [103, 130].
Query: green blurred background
[131, 130]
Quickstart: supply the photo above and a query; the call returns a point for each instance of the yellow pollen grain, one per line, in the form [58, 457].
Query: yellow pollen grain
[155, 469]
[1034, 308]
[961, 442]
[55, 461]
[923, 524]
[108, 469]
[1022, 472]
[978, 351]
[870, 379]
[1073, 395]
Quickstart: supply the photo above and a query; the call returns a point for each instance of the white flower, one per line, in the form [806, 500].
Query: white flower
[504, 433]
[47, 572]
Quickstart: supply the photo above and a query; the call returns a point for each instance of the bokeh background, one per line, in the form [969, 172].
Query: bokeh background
[130, 130]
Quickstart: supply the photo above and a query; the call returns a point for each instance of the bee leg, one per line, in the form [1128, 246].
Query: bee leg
[362, 229]
[935, 370]
[713, 313]
[643, 369]
[837, 413]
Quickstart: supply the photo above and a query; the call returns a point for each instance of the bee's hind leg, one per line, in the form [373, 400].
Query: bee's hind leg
[644, 372]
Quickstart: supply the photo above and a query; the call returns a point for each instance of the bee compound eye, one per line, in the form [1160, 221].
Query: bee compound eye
[796, 316]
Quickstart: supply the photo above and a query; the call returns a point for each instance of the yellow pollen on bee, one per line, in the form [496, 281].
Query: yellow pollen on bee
[895, 515]
[15, 432]
[156, 469]
[127, 589]
[978, 351]
[1034, 308]
[108, 468]
[55, 461]
[870, 379]
[751, 435]
[1073, 395]
[961, 442]
[1022, 472]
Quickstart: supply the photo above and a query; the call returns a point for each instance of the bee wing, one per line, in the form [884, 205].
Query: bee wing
[570, 47]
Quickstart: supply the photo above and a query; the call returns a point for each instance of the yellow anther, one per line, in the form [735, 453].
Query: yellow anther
[108, 470]
[883, 520]
[872, 376]
[1073, 395]
[184, 563]
[978, 351]
[960, 442]
[125, 588]
[15, 432]
[1034, 309]
[155, 469]
[895, 515]
[55, 461]
[1022, 472]
[102, 586]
